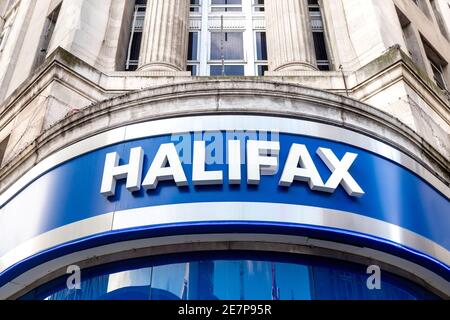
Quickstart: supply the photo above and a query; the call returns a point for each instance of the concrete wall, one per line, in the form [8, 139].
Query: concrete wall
[84, 28]
[89, 29]
[25, 55]
[20, 14]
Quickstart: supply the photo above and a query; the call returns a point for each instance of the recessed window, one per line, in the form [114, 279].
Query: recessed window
[228, 70]
[134, 46]
[313, 5]
[193, 47]
[438, 74]
[438, 65]
[261, 46]
[227, 45]
[318, 31]
[195, 6]
[258, 5]
[46, 37]
[261, 69]
[261, 53]
[226, 5]
[321, 51]
[221, 31]
[193, 69]
[410, 38]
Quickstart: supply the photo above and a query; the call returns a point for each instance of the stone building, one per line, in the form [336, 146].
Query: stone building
[81, 76]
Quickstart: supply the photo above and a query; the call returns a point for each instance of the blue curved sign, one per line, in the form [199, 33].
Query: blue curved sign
[326, 174]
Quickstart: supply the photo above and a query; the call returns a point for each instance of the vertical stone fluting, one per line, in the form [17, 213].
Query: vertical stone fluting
[289, 39]
[165, 36]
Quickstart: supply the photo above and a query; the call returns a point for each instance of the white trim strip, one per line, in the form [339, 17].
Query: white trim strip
[277, 213]
[53, 238]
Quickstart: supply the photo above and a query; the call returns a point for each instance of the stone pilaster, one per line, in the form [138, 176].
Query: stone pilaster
[165, 36]
[289, 39]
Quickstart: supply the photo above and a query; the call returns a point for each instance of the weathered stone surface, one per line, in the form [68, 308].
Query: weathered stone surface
[165, 37]
[289, 38]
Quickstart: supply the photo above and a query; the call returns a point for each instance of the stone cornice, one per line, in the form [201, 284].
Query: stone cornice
[62, 66]
[409, 72]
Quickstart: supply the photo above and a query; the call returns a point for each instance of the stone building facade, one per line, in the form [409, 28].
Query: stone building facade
[73, 70]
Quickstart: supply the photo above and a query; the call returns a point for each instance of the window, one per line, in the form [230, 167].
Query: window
[227, 45]
[261, 53]
[321, 51]
[261, 46]
[313, 5]
[193, 46]
[404, 23]
[438, 74]
[318, 31]
[438, 65]
[226, 5]
[193, 69]
[230, 276]
[195, 6]
[258, 6]
[410, 38]
[3, 146]
[228, 30]
[193, 61]
[46, 37]
[134, 46]
[228, 70]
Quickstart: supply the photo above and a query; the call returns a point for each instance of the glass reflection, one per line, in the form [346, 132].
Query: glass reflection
[230, 278]
[136, 282]
[168, 282]
[261, 46]
[232, 44]
[193, 46]
[225, 2]
[229, 70]
[226, 5]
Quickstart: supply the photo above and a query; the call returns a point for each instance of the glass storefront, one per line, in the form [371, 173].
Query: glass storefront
[229, 276]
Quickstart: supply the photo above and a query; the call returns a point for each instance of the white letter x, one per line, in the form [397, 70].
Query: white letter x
[340, 174]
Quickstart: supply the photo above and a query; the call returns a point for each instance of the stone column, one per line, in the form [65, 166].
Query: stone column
[165, 36]
[290, 43]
